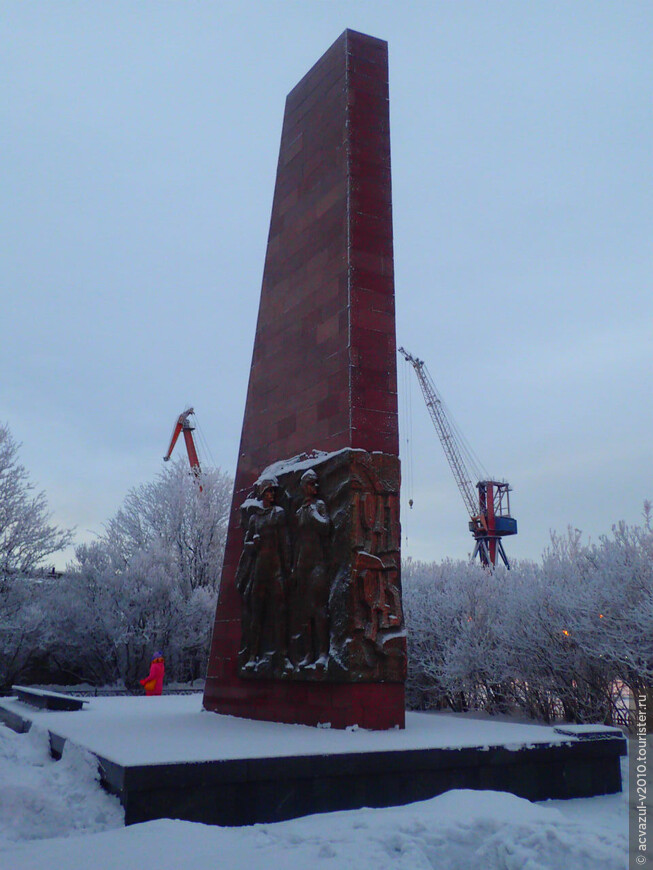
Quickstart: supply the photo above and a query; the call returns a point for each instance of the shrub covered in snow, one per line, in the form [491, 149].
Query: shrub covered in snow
[564, 639]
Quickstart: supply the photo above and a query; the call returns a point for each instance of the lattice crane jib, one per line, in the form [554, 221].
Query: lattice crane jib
[489, 508]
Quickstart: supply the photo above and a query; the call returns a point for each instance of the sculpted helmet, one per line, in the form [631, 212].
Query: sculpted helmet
[264, 483]
[308, 477]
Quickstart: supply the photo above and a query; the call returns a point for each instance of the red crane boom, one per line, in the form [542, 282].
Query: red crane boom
[184, 425]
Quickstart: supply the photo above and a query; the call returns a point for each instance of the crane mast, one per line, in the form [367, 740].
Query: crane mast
[489, 509]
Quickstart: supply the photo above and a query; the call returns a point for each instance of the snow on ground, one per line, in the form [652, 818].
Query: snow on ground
[54, 814]
[122, 729]
[41, 798]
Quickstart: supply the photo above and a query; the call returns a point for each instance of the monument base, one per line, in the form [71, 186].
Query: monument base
[164, 758]
[336, 705]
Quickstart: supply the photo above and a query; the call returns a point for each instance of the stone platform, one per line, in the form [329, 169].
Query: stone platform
[166, 758]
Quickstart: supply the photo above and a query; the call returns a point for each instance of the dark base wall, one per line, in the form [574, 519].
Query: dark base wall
[245, 792]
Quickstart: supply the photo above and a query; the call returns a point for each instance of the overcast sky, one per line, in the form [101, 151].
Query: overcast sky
[139, 144]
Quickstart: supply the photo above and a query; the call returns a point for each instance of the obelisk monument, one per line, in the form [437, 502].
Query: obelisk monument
[309, 625]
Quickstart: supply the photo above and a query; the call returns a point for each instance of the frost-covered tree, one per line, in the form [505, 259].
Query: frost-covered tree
[603, 602]
[566, 638]
[27, 538]
[149, 582]
[26, 534]
[457, 653]
[23, 624]
[173, 514]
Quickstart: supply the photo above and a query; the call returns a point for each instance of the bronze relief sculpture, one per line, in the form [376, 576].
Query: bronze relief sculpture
[262, 575]
[319, 573]
[310, 578]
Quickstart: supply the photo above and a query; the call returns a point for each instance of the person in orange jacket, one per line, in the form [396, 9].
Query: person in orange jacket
[153, 682]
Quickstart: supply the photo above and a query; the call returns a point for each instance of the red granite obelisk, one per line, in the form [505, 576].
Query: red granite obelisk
[323, 374]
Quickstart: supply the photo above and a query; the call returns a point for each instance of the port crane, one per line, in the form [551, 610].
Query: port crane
[489, 508]
[184, 425]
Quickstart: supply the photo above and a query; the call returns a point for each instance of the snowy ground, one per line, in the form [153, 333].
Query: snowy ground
[122, 729]
[55, 815]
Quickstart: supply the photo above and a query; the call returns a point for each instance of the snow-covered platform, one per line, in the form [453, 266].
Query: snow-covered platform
[167, 758]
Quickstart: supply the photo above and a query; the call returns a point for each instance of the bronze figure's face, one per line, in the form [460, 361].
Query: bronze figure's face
[266, 489]
[309, 484]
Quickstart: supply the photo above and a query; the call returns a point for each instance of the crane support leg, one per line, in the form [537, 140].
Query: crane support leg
[485, 547]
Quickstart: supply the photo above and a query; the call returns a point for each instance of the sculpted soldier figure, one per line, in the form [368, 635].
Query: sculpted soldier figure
[310, 576]
[261, 574]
